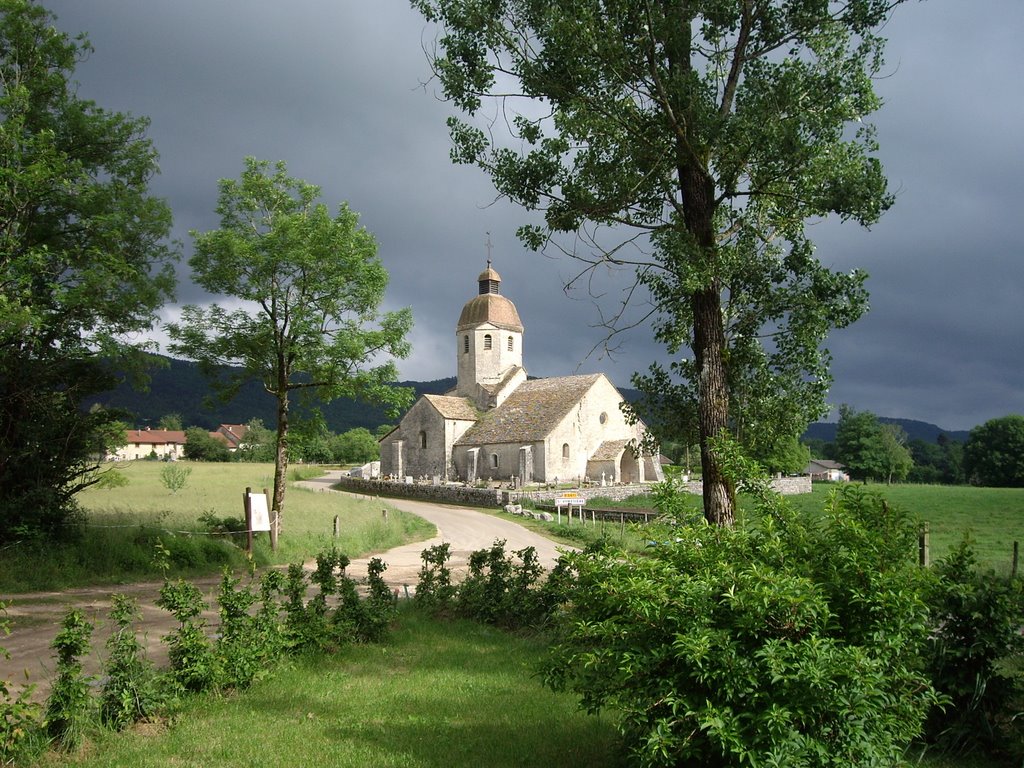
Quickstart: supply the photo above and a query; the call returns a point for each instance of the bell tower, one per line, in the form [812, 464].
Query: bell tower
[489, 341]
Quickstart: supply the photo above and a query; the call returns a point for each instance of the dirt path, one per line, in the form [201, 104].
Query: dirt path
[35, 617]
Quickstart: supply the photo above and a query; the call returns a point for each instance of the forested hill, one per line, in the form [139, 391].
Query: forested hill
[916, 430]
[180, 388]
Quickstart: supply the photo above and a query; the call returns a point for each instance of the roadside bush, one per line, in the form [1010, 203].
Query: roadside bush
[434, 589]
[20, 718]
[977, 657]
[129, 691]
[501, 589]
[69, 707]
[193, 665]
[792, 642]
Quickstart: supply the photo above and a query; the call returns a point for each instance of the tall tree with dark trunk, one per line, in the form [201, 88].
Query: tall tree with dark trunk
[311, 286]
[84, 265]
[698, 138]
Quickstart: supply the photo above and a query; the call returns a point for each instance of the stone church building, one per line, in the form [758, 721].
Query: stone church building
[498, 425]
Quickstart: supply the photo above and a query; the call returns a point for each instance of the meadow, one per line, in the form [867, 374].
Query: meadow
[993, 518]
[453, 694]
[124, 525]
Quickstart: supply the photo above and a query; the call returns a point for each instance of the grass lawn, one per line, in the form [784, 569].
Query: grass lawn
[435, 695]
[994, 517]
[124, 524]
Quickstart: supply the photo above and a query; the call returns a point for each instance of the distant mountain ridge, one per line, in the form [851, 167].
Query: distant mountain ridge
[916, 430]
[180, 388]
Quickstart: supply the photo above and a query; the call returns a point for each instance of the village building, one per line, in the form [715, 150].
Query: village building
[168, 444]
[499, 425]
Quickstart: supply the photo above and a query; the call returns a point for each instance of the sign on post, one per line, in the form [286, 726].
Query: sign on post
[260, 512]
[569, 499]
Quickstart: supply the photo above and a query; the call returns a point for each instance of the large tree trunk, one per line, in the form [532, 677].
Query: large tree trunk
[712, 404]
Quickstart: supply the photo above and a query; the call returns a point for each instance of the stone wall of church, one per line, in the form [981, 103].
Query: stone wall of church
[424, 443]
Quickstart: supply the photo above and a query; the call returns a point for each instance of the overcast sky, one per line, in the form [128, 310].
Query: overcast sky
[335, 89]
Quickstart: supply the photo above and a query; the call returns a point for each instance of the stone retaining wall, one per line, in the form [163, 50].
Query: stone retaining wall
[490, 497]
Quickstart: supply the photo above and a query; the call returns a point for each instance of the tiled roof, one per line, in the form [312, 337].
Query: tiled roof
[460, 408]
[610, 450]
[155, 436]
[531, 412]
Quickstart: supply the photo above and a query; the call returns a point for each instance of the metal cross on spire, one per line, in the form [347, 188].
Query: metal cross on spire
[489, 246]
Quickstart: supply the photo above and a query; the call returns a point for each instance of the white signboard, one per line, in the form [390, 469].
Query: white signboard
[570, 500]
[259, 513]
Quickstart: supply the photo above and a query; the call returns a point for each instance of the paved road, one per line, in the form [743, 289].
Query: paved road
[36, 616]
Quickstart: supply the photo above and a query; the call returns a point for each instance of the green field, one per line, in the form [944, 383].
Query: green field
[993, 517]
[124, 524]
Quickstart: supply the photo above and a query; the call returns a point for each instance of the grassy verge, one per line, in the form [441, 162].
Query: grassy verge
[993, 517]
[124, 524]
[436, 694]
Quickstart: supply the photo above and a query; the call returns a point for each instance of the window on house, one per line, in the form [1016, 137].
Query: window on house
[494, 461]
[465, 343]
[487, 341]
[423, 439]
[603, 418]
[510, 344]
[565, 451]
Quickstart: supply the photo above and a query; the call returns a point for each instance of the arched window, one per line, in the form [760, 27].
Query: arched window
[465, 344]
[565, 451]
[510, 344]
[423, 439]
[494, 461]
[487, 341]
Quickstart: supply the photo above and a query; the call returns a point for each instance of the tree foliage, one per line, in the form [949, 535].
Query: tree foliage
[311, 286]
[794, 641]
[689, 142]
[84, 264]
[869, 449]
[994, 454]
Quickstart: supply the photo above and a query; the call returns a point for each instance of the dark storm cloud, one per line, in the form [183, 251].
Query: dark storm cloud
[333, 87]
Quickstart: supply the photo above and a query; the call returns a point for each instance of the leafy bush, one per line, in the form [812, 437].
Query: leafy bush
[435, 590]
[20, 718]
[193, 665]
[976, 654]
[792, 642]
[69, 705]
[502, 590]
[129, 692]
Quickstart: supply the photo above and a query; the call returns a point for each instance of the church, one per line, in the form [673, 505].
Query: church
[498, 425]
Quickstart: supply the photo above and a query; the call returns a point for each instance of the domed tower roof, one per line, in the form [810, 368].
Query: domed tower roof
[489, 306]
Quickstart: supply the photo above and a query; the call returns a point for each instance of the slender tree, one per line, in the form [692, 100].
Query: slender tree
[699, 137]
[312, 285]
[84, 265]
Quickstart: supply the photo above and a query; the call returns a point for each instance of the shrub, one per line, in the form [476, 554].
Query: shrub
[793, 642]
[69, 705]
[129, 692]
[435, 590]
[193, 665]
[501, 589]
[976, 651]
[20, 718]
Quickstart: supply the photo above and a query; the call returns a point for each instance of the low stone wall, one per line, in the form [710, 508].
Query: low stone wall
[490, 497]
[442, 494]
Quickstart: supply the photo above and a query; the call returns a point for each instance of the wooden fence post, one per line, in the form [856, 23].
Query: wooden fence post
[923, 546]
